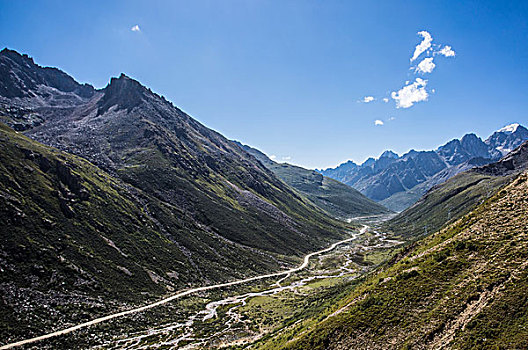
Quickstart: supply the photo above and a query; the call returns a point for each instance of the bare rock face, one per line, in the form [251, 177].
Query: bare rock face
[20, 77]
[513, 162]
[123, 93]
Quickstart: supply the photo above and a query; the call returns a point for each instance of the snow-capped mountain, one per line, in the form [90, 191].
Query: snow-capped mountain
[398, 181]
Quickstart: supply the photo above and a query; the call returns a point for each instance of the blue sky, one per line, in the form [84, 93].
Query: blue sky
[287, 76]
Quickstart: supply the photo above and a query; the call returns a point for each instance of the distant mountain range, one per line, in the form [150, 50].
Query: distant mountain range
[448, 201]
[399, 181]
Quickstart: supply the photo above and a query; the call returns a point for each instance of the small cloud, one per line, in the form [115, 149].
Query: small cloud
[286, 158]
[378, 122]
[135, 28]
[447, 51]
[273, 157]
[408, 95]
[423, 46]
[368, 99]
[425, 66]
[385, 99]
[392, 118]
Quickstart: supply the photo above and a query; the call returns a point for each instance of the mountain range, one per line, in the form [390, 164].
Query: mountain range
[399, 181]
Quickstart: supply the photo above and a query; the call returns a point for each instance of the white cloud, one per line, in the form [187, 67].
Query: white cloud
[408, 95]
[286, 158]
[426, 65]
[423, 46]
[426, 53]
[135, 28]
[378, 122]
[447, 51]
[392, 118]
[273, 157]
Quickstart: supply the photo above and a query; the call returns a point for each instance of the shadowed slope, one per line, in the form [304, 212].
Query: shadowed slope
[330, 195]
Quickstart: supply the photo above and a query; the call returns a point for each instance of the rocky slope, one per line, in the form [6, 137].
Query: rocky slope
[399, 181]
[141, 138]
[336, 198]
[463, 287]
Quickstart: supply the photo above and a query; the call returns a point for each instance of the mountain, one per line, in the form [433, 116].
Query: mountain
[506, 139]
[143, 139]
[77, 242]
[457, 196]
[463, 287]
[397, 182]
[119, 193]
[330, 195]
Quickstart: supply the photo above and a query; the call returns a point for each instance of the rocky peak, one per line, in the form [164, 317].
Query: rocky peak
[451, 152]
[474, 146]
[123, 92]
[22, 59]
[20, 77]
[470, 139]
[389, 154]
[369, 162]
[507, 139]
[350, 164]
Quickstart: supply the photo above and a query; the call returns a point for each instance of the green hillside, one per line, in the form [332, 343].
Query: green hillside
[76, 242]
[464, 287]
[334, 197]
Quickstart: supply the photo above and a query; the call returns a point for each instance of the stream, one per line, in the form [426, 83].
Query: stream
[184, 334]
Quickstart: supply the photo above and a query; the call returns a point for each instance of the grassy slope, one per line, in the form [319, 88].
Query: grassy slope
[465, 287]
[336, 198]
[403, 200]
[76, 242]
[446, 203]
[331, 195]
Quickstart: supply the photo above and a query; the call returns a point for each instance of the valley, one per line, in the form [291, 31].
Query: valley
[128, 224]
[463, 286]
[216, 315]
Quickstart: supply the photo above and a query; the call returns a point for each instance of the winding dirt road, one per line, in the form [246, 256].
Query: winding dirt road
[179, 295]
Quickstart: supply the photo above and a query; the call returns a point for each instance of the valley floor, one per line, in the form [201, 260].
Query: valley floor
[234, 314]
